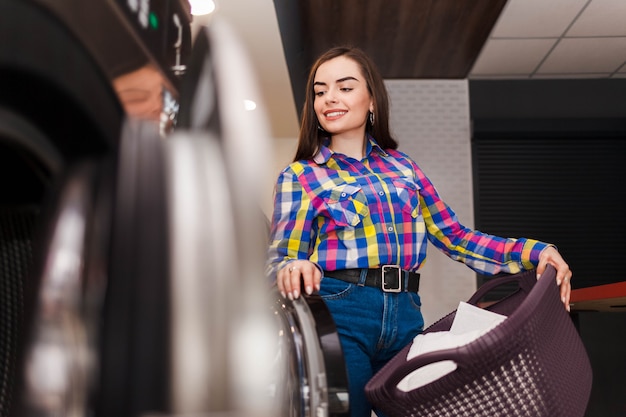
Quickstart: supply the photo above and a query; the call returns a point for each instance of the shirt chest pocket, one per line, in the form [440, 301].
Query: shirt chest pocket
[408, 196]
[346, 204]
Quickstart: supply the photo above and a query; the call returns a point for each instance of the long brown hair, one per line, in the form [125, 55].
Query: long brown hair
[311, 138]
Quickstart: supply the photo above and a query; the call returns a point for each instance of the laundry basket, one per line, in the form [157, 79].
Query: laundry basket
[533, 364]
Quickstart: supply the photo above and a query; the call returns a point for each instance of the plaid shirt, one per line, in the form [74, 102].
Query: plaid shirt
[341, 213]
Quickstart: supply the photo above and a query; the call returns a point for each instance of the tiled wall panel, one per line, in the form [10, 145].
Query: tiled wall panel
[430, 120]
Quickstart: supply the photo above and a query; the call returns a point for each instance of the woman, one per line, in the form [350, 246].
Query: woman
[352, 217]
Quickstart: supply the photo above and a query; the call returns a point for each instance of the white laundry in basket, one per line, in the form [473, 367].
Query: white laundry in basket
[470, 322]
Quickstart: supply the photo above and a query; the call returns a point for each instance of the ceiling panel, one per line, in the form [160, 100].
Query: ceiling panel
[585, 76]
[601, 18]
[537, 18]
[585, 55]
[512, 56]
[589, 38]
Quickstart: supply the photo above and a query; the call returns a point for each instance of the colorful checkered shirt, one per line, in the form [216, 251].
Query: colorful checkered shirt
[341, 213]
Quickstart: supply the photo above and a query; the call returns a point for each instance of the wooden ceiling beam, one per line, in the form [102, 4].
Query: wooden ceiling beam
[408, 39]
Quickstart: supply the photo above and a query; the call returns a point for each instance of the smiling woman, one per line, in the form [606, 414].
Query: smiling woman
[343, 104]
[353, 216]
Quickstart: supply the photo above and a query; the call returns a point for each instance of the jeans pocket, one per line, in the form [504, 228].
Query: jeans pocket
[415, 300]
[334, 289]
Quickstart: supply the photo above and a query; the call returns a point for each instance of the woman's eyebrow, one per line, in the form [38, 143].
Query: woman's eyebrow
[348, 78]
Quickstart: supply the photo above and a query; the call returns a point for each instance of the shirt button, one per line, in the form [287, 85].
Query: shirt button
[381, 193]
[390, 228]
[343, 194]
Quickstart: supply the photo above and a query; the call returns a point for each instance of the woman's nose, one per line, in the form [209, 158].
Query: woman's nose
[330, 96]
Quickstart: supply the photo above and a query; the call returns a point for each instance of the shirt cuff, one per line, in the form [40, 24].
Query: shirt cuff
[531, 251]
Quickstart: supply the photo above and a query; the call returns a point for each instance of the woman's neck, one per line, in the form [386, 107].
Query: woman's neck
[349, 146]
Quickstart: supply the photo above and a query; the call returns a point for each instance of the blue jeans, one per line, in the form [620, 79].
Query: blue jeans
[372, 326]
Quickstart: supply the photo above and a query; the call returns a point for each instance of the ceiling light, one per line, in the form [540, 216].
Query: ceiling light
[202, 7]
[249, 104]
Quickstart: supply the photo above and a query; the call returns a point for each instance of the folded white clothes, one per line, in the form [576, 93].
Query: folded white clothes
[470, 322]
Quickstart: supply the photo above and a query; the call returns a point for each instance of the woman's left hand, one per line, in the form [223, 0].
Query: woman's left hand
[563, 274]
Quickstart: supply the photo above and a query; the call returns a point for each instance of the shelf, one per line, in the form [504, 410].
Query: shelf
[608, 297]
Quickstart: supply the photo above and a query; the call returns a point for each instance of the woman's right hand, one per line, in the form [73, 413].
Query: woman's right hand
[288, 279]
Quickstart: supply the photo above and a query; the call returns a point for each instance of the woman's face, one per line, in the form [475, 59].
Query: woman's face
[342, 100]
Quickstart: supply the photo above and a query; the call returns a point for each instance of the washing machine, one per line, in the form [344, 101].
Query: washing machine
[132, 248]
[312, 380]
[66, 94]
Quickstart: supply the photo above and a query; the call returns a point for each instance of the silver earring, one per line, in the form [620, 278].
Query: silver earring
[372, 118]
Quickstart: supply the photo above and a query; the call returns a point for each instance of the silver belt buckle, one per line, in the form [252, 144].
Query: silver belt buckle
[392, 278]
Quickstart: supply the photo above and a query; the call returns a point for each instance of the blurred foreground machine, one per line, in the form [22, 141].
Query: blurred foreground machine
[131, 254]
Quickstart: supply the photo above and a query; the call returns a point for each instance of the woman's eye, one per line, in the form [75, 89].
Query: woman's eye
[319, 93]
[346, 89]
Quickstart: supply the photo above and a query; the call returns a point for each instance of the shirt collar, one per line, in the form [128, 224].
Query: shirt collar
[325, 153]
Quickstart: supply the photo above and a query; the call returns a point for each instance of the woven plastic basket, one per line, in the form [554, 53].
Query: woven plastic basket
[533, 364]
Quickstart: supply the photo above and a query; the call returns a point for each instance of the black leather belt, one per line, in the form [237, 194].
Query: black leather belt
[389, 278]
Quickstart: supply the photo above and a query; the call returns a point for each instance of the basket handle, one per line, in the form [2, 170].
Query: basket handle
[526, 281]
[455, 355]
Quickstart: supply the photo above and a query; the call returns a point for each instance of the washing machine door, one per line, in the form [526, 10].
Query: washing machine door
[311, 379]
[59, 115]
[65, 67]
[150, 295]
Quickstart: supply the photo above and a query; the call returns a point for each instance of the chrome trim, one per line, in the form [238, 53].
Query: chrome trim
[60, 354]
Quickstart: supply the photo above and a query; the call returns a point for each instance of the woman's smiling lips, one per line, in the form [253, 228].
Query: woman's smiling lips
[334, 114]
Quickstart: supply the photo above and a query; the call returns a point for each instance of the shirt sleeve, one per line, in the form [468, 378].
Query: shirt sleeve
[484, 253]
[290, 232]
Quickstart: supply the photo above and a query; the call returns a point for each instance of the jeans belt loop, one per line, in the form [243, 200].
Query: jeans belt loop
[362, 277]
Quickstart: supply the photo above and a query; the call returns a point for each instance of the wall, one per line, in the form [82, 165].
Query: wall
[283, 153]
[430, 120]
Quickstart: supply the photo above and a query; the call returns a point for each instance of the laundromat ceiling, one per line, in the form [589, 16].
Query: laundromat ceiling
[406, 38]
[434, 39]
